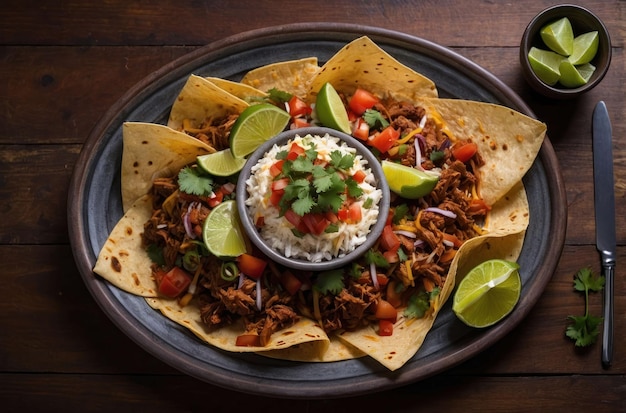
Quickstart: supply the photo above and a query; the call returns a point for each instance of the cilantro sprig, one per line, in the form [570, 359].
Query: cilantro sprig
[584, 329]
[316, 188]
[193, 181]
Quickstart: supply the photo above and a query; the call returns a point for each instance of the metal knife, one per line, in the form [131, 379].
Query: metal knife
[604, 197]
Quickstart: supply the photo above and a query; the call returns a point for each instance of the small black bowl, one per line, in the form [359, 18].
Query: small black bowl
[582, 21]
[301, 264]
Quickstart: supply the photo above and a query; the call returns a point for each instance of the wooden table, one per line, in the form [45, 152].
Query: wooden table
[65, 63]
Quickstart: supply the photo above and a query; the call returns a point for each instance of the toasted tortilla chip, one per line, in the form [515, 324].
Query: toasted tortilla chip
[201, 99]
[122, 261]
[242, 91]
[362, 63]
[151, 150]
[292, 76]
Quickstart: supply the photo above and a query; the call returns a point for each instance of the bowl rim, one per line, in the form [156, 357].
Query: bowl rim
[297, 263]
[528, 38]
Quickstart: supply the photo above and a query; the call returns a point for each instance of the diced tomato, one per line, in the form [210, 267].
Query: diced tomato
[361, 129]
[384, 140]
[429, 285]
[276, 196]
[361, 101]
[352, 117]
[248, 340]
[278, 190]
[316, 223]
[383, 280]
[251, 266]
[385, 327]
[277, 168]
[354, 213]
[342, 214]
[385, 311]
[478, 206]
[296, 220]
[464, 151]
[359, 176]
[216, 199]
[298, 107]
[290, 282]
[299, 123]
[174, 282]
[391, 256]
[389, 241]
[294, 151]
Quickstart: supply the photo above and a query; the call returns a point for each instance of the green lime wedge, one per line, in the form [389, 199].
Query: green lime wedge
[559, 36]
[571, 76]
[545, 64]
[330, 109]
[221, 163]
[586, 70]
[585, 48]
[255, 125]
[488, 293]
[222, 233]
[409, 183]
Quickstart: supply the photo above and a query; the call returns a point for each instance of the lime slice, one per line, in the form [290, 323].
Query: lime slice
[559, 36]
[488, 293]
[409, 183]
[330, 109]
[585, 48]
[545, 64]
[222, 232]
[221, 163]
[571, 76]
[255, 125]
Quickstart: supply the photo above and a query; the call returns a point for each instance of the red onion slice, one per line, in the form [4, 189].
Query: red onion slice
[443, 212]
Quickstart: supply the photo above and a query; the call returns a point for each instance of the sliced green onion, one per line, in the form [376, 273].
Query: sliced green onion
[229, 271]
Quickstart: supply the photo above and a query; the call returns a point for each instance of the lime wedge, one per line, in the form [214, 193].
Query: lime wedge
[221, 163]
[585, 48]
[255, 125]
[571, 76]
[222, 232]
[545, 64]
[586, 70]
[488, 293]
[409, 183]
[330, 109]
[559, 36]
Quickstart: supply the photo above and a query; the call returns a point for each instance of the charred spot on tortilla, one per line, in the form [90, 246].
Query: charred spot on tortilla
[129, 231]
[116, 265]
[136, 278]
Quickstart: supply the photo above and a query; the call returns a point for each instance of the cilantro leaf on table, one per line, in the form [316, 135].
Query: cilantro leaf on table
[192, 181]
[584, 329]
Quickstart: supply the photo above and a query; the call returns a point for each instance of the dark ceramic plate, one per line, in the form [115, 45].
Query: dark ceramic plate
[95, 207]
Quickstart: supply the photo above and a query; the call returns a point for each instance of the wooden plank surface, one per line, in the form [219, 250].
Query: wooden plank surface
[64, 64]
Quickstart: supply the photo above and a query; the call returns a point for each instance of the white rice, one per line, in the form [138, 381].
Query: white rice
[277, 231]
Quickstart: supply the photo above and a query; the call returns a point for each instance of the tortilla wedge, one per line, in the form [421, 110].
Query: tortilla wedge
[150, 150]
[362, 63]
[201, 99]
[292, 76]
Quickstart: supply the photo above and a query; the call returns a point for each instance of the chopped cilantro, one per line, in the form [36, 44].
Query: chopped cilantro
[400, 212]
[192, 181]
[584, 329]
[402, 255]
[375, 257]
[418, 305]
[331, 228]
[329, 282]
[368, 203]
[155, 253]
[279, 96]
[436, 156]
[375, 118]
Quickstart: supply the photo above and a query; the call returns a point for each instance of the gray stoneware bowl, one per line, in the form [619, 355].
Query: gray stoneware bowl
[582, 21]
[301, 264]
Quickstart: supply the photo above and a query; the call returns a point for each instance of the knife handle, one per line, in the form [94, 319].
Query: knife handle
[607, 337]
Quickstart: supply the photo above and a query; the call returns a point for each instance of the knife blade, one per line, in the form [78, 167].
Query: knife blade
[604, 198]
